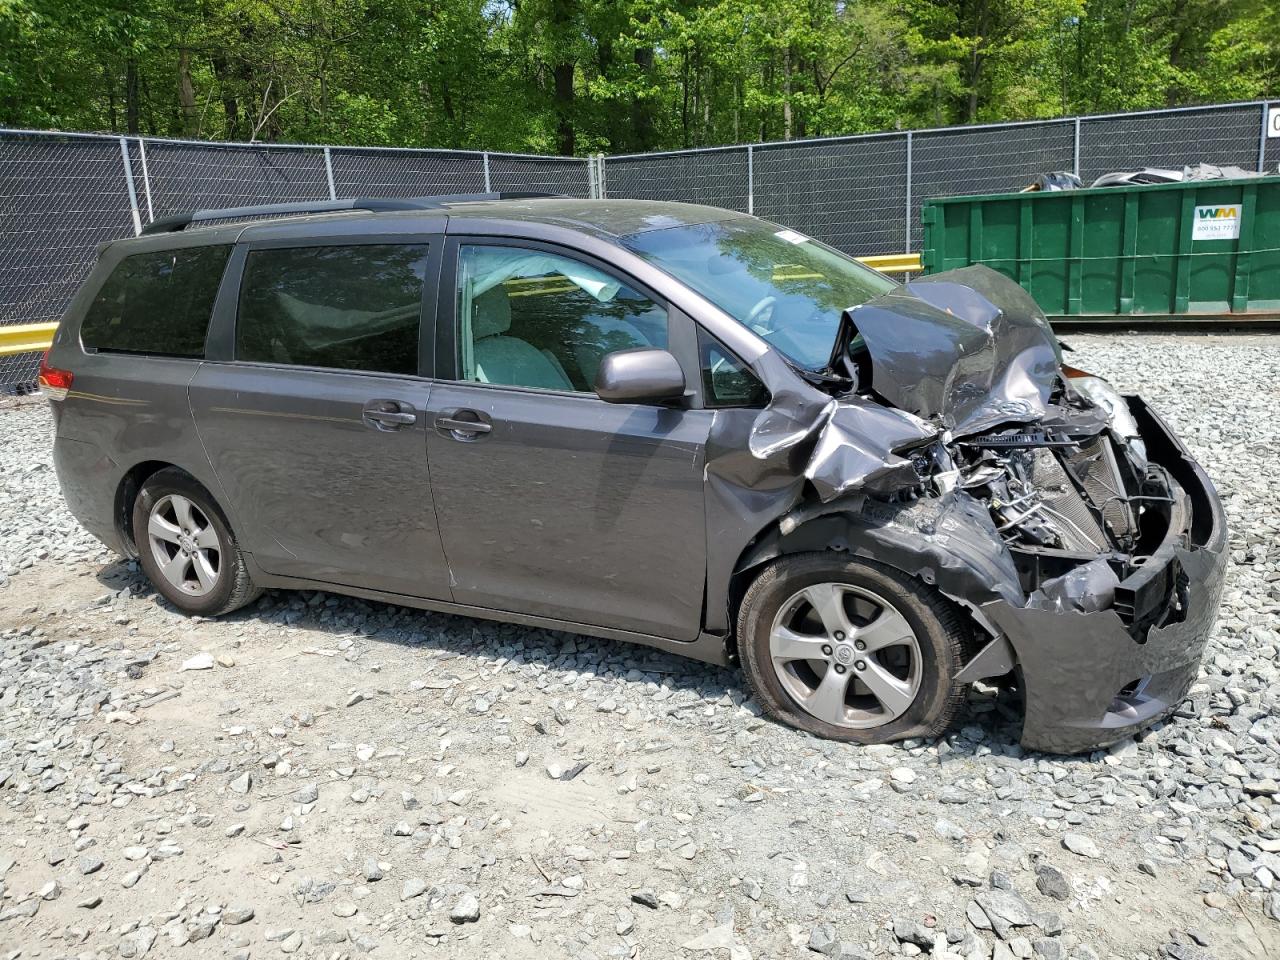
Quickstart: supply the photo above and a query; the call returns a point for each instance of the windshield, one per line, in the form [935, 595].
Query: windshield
[787, 288]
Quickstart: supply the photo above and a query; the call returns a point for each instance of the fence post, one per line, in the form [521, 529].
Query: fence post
[593, 181]
[1075, 150]
[751, 180]
[128, 180]
[907, 247]
[487, 187]
[1262, 139]
[146, 179]
[328, 172]
[602, 184]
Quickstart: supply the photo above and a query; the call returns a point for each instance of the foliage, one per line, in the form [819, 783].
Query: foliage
[615, 75]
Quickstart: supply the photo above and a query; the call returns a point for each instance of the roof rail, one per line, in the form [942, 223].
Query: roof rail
[181, 221]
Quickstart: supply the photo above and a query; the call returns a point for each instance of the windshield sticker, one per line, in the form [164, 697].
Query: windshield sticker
[791, 236]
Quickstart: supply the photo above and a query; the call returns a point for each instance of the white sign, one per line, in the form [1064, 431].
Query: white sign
[1273, 122]
[1217, 222]
[791, 236]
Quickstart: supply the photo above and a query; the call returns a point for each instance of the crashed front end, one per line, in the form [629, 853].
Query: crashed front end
[1071, 522]
[1109, 645]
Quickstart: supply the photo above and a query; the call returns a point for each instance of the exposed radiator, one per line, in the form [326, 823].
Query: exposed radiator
[1080, 531]
[1095, 465]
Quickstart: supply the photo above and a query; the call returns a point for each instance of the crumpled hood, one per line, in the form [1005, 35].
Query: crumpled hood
[960, 352]
[967, 349]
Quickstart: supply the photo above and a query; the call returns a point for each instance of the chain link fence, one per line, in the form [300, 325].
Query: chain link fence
[63, 194]
[59, 199]
[862, 194]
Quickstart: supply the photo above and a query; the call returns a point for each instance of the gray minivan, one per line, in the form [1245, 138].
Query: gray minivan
[656, 422]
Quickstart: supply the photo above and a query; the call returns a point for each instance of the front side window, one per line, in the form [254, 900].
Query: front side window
[346, 308]
[532, 319]
[786, 287]
[157, 303]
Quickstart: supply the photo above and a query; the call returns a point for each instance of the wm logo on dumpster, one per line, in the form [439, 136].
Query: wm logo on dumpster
[1216, 222]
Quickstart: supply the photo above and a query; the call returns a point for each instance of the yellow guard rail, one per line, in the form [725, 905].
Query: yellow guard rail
[26, 338]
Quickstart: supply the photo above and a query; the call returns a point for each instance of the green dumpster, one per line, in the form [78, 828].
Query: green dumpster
[1165, 252]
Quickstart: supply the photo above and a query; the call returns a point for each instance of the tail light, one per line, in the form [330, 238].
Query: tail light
[54, 383]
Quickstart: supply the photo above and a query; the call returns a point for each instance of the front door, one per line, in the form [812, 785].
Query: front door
[550, 501]
[316, 426]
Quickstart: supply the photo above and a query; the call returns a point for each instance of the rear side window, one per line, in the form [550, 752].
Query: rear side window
[157, 303]
[346, 308]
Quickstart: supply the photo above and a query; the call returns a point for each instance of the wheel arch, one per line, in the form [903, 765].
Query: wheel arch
[127, 494]
[131, 484]
[838, 532]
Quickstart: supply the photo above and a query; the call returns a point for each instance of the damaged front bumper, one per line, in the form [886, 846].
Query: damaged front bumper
[1091, 679]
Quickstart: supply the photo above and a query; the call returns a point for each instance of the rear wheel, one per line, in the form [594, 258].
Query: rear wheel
[186, 547]
[851, 651]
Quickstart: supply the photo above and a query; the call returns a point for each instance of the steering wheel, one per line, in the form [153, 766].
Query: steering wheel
[760, 315]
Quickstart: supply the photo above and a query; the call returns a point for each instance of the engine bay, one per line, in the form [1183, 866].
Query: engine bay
[1073, 496]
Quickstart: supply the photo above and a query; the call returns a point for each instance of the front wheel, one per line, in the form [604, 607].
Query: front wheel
[186, 547]
[851, 651]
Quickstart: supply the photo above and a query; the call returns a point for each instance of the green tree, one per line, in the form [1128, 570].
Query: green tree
[576, 76]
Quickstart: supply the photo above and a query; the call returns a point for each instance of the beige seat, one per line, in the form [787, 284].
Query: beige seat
[505, 359]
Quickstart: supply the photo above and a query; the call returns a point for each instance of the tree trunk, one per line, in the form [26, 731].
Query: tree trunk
[684, 100]
[186, 92]
[799, 128]
[786, 94]
[737, 108]
[446, 102]
[566, 140]
[109, 78]
[563, 14]
[696, 107]
[324, 86]
[131, 99]
[767, 81]
[1177, 49]
[642, 124]
[230, 105]
[977, 59]
[148, 107]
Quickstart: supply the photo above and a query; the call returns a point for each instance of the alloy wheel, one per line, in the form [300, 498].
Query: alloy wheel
[185, 545]
[846, 655]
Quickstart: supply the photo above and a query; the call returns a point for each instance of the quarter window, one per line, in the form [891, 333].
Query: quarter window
[532, 319]
[726, 380]
[157, 303]
[342, 307]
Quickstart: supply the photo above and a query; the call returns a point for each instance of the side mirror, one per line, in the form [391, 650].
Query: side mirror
[640, 376]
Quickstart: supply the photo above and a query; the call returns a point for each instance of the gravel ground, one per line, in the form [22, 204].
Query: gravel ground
[326, 777]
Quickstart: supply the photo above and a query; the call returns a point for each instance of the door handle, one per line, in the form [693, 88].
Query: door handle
[389, 414]
[459, 429]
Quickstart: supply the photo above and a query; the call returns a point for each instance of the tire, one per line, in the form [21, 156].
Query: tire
[886, 697]
[210, 578]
